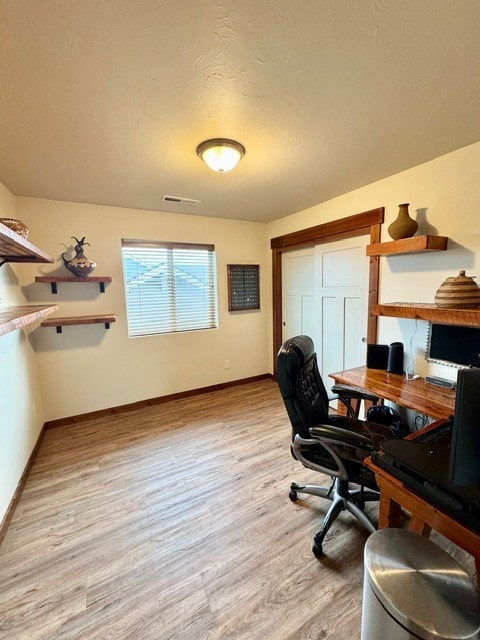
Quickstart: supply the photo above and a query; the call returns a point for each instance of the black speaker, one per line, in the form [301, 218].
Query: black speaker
[395, 358]
[377, 356]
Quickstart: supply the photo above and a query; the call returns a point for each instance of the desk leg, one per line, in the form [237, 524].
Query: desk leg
[417, 525]
[389, 513]
[356, 406]
[341, 409]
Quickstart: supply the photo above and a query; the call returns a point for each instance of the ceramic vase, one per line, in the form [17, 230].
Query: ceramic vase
[404, 226]
[80, 265]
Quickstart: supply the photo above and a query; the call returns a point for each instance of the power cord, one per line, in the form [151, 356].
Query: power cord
[421, 420]
[410, 376]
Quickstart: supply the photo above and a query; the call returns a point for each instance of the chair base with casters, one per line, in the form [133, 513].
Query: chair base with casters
[343, 498]
[343, 471]
[333, 445]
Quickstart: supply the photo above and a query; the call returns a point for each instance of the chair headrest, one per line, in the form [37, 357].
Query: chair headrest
[293, 355]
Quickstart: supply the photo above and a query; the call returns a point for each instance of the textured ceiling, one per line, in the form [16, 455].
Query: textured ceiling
[105, 101]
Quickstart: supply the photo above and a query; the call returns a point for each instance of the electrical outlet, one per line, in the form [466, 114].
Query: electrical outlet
[227, 364]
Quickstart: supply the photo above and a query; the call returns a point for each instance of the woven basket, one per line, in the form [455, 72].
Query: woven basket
[458, 292]
[16, 225]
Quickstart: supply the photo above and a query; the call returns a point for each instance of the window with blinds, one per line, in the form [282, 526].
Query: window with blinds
[169, 287]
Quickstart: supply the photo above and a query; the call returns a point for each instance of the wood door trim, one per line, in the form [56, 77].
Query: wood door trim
[330, 230]
[367, 222]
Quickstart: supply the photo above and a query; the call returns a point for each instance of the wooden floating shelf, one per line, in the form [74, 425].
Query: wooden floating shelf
[12, 318]
[53, 280]
[429, 312]
[416, 244]
[58, 323]
[14, 248]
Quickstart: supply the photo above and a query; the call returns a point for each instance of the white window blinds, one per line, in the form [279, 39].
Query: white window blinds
[169, 287]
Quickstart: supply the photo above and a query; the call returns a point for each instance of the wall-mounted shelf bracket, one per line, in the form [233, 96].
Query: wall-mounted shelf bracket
[416, 244]
[58, 323]
[53, 280]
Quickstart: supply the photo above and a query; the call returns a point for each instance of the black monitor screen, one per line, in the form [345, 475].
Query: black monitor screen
[454, 344]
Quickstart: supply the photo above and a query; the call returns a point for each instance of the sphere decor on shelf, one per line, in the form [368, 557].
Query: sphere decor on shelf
[458, 292]
[80, 265]
[404, 226]
[16, 225]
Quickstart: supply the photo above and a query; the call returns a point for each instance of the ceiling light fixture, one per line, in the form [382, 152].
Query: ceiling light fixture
[221, 154]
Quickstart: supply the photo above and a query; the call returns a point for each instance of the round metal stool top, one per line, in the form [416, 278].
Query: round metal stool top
[421, 586]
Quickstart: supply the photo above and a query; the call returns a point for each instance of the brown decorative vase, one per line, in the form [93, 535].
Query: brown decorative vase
[404, 226]
[458, 292]
[16, 225]
[80, 265]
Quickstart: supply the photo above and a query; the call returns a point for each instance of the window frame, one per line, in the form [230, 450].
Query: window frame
[136, 325]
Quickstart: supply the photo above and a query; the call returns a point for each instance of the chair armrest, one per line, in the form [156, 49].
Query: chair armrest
[346, 391]
[337, 435]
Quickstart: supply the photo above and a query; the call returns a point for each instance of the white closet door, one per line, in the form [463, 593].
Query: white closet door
[325, 296]
[299, 300]
[342, 286]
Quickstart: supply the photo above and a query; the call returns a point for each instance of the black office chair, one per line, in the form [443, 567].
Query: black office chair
[331, 444]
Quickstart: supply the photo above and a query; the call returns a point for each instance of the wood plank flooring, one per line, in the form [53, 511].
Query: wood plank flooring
[172, 523]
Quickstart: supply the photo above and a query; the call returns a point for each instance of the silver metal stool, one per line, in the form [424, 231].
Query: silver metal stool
[414, 589]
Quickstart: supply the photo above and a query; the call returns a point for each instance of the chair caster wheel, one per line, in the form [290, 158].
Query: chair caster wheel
[293, 496]
[317, 550]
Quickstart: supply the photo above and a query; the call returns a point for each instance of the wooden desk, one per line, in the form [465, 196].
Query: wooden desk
[418, 395]
[394, 495]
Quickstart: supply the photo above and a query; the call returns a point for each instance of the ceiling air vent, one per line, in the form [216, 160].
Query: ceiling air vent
[177, 200]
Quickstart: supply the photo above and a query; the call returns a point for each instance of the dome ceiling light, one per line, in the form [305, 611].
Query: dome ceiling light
[221, 154]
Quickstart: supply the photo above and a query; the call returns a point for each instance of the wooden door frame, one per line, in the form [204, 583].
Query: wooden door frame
[366, 223]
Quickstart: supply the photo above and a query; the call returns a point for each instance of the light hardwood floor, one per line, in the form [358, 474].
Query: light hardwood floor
[172, 523]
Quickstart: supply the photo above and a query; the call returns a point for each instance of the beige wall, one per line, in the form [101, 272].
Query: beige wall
[444, 198]
[21, 408]
[87, 368]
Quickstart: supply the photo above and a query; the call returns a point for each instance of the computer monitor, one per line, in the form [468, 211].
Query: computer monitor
[453, 344]
[465, 451]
